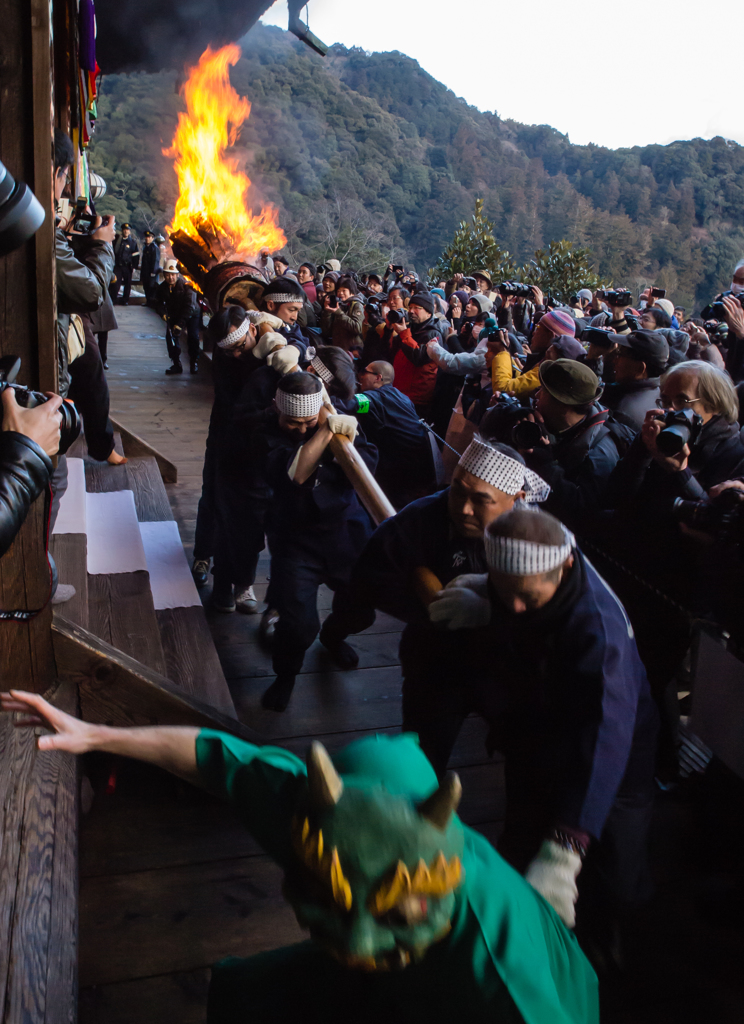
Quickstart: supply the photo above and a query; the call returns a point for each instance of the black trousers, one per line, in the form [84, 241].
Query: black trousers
[90, 393]
[102, 340]
[206, 521]
[173, 339]
[297, 570]
[123, 280]
[149, 283]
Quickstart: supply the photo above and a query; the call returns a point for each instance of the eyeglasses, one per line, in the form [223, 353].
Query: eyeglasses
[677, 402]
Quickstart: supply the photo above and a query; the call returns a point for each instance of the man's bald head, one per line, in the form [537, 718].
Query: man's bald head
[375, 375]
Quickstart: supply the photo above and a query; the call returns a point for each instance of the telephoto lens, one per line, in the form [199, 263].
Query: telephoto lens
[681, 427]
[70, 423]
[21, 213]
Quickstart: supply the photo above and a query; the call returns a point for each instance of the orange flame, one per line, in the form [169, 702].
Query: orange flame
[212, 189]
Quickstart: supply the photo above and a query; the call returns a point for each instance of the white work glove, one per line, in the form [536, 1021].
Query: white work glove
[459, 606]
[553, 874]
[283, 359]
[259, 318]
[268, 343]
[432, 348]
[345, 425]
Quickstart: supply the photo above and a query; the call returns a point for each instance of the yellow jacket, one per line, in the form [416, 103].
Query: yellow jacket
[503, 379]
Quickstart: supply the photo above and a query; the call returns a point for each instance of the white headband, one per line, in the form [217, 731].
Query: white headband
[525, 557]
[234, 337]
[298, 405]
[279, 299]
[322, 370]
[503, 472]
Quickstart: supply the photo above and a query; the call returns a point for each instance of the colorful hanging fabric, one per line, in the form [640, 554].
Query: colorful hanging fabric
[87, 35]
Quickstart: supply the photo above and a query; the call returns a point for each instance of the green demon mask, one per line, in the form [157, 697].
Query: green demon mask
[378, 865]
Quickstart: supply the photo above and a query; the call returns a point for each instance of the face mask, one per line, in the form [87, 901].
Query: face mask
[736, 289]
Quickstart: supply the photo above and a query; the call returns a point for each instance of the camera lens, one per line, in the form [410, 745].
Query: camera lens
[672, 439]
[527, 434]
[69, 426]
[21, 213]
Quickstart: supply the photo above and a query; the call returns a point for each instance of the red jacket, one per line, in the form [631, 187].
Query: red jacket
[415, 373]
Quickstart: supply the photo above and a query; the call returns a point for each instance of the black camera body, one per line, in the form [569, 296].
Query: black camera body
[396, 316]
[28, 399]
[602, 337]
[723, 516]
[717, 330]
[521, 291]
[681, 427]
[21, 213]
[524, 433]
[618, 297]
[717, 310]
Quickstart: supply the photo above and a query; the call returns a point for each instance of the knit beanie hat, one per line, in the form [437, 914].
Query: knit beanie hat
[483, 302]
[559, 322]
[667, 305]
[463, 296]
[424, 300]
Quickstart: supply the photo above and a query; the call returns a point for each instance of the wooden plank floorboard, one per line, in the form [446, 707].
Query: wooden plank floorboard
[178, 998]
[122, 613]
[70, 552]
[190, 656]
[199, 913]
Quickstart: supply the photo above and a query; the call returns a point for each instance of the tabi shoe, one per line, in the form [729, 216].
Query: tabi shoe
[194, 367]
[64, 592]
[200, 571]
[342, 653]
[222, 597]
[176, 368]
[277, 696]
[246, 601]
[105, 366]
[267, 629]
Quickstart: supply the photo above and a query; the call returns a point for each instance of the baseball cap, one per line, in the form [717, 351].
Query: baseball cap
[649, 347]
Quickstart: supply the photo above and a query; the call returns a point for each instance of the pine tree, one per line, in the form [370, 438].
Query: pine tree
[474, 247]
[561, 270]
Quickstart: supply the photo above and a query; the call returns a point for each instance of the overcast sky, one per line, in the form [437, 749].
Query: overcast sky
[615, 74]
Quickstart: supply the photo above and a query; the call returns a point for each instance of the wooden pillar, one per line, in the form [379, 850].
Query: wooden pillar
[27, 316]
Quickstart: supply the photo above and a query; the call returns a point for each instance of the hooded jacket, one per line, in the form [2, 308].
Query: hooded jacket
[342, 326]
[630, 401]
[415, 373]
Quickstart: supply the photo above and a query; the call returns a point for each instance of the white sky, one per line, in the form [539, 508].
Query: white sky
[625, 74]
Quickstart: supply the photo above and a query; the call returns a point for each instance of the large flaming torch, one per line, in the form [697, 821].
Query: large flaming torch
[214, 234]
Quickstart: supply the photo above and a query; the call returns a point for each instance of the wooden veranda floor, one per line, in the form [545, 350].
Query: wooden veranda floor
[169, 880]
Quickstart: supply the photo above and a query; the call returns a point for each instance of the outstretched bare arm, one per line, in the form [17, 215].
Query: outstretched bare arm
[169, 747]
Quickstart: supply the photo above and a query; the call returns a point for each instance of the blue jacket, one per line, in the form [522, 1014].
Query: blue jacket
[576, 691]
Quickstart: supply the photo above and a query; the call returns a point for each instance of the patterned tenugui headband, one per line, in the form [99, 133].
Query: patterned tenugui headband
[298, 405]
[279, 299]
[322, 370]
[525, 557]
[502, 472]
[231, 339]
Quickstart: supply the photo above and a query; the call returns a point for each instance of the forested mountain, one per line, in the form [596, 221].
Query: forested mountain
[367, 154]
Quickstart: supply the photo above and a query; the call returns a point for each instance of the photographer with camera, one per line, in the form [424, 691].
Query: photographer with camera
[28, 438]
[641, 358]
[415, 372]
[619, 301]
[342, 318]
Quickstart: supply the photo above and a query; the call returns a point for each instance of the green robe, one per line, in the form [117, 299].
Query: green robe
[508, 957]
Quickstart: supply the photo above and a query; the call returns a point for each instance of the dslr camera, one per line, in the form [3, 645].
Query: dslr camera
[522, 291]
[722, 516]
[602, 337]
[396, 316]
[617, 297]
[681, 427]
[716, 331]
[520, 432]
[717, 310]
[27, 399]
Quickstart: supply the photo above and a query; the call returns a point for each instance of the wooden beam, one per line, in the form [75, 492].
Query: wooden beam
[135, 446]
[117, 690]
[368, 490]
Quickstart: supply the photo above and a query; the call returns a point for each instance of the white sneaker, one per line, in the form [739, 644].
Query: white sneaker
[246, 601]
[64, 592]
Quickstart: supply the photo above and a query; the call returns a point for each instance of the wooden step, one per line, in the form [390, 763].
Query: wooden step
[38, 875]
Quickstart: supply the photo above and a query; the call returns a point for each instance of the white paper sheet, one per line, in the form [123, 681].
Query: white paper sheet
[71, 517]
[114, 539]
[171, 581]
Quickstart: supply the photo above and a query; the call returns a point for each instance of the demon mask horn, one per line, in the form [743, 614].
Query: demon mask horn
[323, 780]
[442, 804]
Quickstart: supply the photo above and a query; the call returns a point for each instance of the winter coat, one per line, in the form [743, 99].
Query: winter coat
[25, 470]
[150, 260]
[126, 251]
[342, 326]
[415, 373]
[177, 304]
[83, 277]
[631, 401]
[104, 318]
